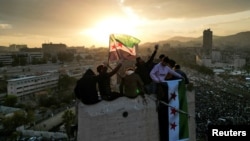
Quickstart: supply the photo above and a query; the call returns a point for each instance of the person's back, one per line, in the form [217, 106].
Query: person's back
[103, 79]
[86, 89]
[131, 84]
[104, 84]
[143, 70]
[177, 69]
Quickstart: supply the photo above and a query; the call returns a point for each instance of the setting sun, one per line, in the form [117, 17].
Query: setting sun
[101, 31]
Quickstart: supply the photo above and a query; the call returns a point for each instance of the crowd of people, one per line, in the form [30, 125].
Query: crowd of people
[144, 77]
[218, 107]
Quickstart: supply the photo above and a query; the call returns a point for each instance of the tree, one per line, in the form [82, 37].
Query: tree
[10, 100]
[10, 123]
[68, 120]
[65, 82]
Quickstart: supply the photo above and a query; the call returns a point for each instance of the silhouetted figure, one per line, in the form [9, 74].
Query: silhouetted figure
[86, 88]
[104, 79]
[131, 85]
[177, 69]
[143, 70]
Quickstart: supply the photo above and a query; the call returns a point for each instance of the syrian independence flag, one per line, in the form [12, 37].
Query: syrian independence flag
[122, 46]
[178, 122]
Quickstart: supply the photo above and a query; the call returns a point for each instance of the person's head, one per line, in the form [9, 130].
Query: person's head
[177, 67]
[165, 61]
[161, 56]
[102, 69]
[89, 72]
[171, 63]
[139, 60]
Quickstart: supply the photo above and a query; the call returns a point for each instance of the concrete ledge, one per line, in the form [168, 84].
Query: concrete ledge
[123, 119]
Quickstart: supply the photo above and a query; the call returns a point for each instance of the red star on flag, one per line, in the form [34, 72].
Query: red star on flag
[173, 95]
[119, 45]
[173, 125]
[173, 111]
[113, 46]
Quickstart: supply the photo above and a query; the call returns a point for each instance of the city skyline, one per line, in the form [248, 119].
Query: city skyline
[89, 22]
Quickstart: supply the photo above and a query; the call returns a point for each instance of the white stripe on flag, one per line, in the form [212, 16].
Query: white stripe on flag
[173, 114]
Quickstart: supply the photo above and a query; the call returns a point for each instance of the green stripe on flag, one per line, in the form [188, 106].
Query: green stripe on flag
[184, 132]
[127, 40]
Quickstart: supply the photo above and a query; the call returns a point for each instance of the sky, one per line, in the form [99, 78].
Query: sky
[90, 22]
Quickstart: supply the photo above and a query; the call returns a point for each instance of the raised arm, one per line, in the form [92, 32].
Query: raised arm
[151, 59]
[115, 70]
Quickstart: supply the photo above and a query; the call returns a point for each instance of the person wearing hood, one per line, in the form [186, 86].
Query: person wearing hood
[131, 84]
[86, 88]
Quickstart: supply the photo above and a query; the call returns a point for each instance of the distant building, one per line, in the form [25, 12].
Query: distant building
[216, 56]
[15, 47]
[6, 58]
[203, 61]
[207, 40]
[53, 49]
[213, 58]
[34, 55]
[24, 86]
[239, 62]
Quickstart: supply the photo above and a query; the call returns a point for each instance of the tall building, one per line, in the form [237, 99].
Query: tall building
[207, 39]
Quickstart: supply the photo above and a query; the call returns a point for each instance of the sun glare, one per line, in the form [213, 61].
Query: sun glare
[101, 31]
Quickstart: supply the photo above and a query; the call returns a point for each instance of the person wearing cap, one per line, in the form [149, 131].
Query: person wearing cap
[131, 84]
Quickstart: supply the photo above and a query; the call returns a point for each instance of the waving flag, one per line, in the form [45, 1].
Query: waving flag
[176, 128]
[122, 46]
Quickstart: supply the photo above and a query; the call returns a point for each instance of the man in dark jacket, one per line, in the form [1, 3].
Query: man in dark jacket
[86, 88]
[104, 79]
[143, 70]
[177, 69]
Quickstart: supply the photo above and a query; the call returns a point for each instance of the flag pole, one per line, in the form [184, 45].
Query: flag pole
[111, 36]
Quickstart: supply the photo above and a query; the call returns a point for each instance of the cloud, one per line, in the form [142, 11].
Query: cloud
[5, 26]
[161, 9]
[63, 19]
[55, 15]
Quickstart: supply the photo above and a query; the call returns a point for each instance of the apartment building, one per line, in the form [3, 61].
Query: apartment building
[7, 57]
[26, 85]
